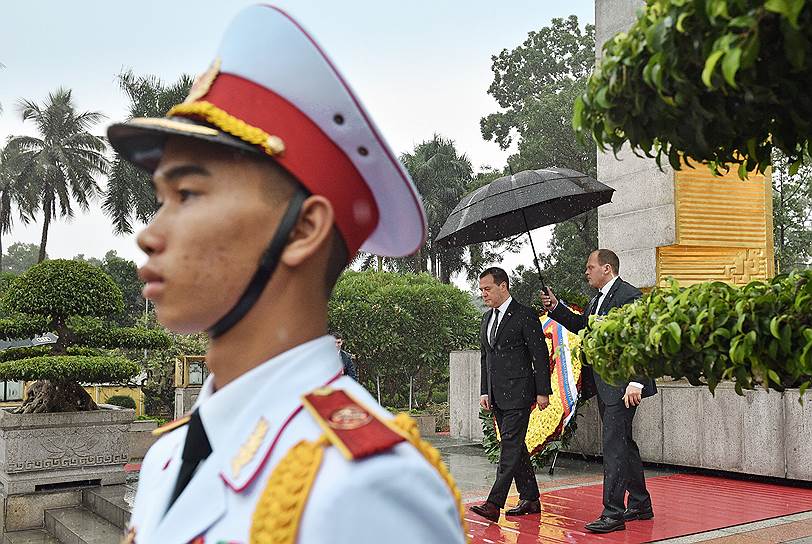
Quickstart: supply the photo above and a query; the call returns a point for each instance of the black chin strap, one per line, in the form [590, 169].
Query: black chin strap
[267, 265]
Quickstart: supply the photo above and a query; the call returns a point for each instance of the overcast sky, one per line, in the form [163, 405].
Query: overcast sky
[420, 67]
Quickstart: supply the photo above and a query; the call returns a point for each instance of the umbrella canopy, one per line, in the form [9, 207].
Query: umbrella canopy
[519, 203]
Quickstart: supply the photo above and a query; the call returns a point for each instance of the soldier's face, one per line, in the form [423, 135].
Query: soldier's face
[217, 216]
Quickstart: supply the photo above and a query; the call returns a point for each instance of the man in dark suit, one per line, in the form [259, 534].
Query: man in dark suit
[515, 378]
[622, 467]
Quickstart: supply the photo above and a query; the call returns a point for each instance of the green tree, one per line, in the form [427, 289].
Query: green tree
[792, 215]
[401, 327]
[442, 176]
[20, 257]
[129, 193]
[76, 301]
[536, 84]
[125, 273]
[15, 193]
[62, 162]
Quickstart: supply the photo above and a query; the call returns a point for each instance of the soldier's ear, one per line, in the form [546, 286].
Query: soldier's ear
[312, 232]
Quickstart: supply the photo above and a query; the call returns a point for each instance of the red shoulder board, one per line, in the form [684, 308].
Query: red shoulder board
[350, 427]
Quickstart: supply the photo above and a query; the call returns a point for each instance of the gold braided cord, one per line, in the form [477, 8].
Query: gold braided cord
[407, 427]
[272, 145]
[279, 510]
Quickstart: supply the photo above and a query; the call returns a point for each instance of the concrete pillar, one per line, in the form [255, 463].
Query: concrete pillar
[686, 224]
[463, 397]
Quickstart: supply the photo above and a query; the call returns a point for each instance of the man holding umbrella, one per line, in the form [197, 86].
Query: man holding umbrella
[622, 467]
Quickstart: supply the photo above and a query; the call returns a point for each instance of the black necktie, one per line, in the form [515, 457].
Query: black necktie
[195, 449]
[492, 338]
[597, 304]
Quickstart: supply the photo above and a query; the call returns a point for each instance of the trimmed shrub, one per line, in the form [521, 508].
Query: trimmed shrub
[758, 335]
[125, 401]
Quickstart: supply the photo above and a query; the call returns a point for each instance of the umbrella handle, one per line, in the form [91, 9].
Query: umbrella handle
[535, 255]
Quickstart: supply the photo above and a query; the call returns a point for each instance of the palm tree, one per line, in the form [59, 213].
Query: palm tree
[442, 177]
[15, 191]
[129, 191]
[61, 163]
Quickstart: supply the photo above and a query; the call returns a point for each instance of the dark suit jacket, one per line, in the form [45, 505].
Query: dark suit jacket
[349, 365]
[621, 293]
[517, 368]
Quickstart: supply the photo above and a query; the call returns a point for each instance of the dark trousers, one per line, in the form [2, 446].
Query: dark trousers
[514, 461]
[622, 467]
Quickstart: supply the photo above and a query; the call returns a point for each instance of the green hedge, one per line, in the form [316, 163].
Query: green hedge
[71, 368]
[62, 288]
[758, 335]
[125, 401]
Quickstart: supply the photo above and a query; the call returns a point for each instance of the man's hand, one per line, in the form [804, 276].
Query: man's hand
[542, 402]
[485, 402]
[633, 396]
[548, 300]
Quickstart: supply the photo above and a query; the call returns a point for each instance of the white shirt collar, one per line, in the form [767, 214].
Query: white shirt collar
[503, 308]
[306, 365]
[605, 289]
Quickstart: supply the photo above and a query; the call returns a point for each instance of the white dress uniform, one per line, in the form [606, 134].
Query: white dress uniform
[396, 493]
[273, 91]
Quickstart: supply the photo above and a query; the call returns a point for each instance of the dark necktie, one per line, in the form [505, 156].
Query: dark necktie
[195, 449]
[597, 305]
[495, 326]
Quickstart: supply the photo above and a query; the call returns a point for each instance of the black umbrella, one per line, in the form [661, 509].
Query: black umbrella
[521, 202]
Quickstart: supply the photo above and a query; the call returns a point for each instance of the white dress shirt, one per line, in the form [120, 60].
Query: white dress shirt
[495, 320]
[605, 291]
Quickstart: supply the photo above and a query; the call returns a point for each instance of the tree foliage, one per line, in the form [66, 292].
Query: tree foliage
[129, 193]
[536, 84]
[20, 257]
[77, 301]
[402, 326]
[62, 161]
[758, 335]
[159, 389]
[442, 176]
[792, 215]
[722, 82]
[125, 273]
[16, 192]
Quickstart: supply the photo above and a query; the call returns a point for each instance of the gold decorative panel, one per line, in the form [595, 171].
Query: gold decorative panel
[724, 229]
[695, 264]
[722, 211]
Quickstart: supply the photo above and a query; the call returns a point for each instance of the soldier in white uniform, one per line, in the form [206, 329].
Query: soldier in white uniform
[271, 176]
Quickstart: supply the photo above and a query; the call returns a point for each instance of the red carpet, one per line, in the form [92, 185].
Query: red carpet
[683, 504]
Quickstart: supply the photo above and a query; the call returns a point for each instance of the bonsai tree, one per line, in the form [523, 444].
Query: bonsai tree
[77, 302]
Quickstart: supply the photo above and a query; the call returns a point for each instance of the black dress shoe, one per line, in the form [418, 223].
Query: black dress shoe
[632, 514]
[487, 510]
[525, 507]
[606, 525]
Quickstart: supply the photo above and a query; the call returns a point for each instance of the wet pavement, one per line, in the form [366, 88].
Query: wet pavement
[474, 475]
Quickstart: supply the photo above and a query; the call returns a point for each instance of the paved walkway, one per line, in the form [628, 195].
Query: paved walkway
[474, 475]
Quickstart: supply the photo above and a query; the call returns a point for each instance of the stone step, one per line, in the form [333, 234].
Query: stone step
[81, 526]
[34, 536]
[111, 502]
